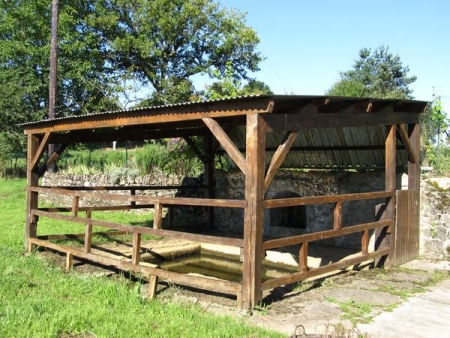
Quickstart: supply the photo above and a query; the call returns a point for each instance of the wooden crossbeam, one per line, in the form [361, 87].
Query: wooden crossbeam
[40, 151]
[412, 154]
[226, 142]
[279, 156]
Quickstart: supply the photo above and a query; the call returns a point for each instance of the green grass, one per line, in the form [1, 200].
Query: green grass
[38, 299]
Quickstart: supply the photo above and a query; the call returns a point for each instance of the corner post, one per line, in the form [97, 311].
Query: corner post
[414, 186]
[254, 213]
[32, 197]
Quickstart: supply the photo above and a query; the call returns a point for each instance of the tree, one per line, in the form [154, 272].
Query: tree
[377, 74]
[163, 43]
[230, 86]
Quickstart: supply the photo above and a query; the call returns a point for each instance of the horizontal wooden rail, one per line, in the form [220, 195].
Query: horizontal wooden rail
[291, 202]
[316, 236]
[134, 187]
[299, 276]
[145, 268]
[204, 202]
[76, 236]
[143, 230]
[100, 208]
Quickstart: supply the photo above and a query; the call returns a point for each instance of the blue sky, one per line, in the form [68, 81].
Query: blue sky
[308, 43]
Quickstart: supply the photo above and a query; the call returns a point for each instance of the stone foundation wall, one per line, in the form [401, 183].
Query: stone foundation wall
[435, 218]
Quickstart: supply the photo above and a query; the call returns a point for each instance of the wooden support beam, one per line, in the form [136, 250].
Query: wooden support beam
[75, 205]
[254, 212]
[40, 151]
[52, 159]
[88, 233]
[279, 156]
[152, 286]
[365, 242]
[157, 216]
[69, 261]
[32, 196]
[136, 254]
[303, 257]
[226, 142]
[413, 154]
[209, 178]
[337, 220]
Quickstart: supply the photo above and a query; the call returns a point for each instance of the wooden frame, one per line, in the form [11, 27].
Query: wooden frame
[259, 116]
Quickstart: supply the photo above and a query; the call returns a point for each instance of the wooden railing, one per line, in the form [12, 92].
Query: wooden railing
[304, 240]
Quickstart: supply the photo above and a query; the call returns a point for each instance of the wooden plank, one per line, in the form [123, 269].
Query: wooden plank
[32, 196]
[413, 154]
[291, 202]
[279, 156]
[226, 143]
[317, 236]
[222, 203]
[365, 242]
[143, 230]
[147, 269]
[136, 254]
[69, 261]
[157, 216]
[152, 285]
[166, 114]
[254, 213]
[302, 275]
[337, 219]
[133, 187]
[81, 236]
[303, 257]
[52, 159]
[88, 234]
[209, 178]
[99, 208]
[40, 151]
[75, 205]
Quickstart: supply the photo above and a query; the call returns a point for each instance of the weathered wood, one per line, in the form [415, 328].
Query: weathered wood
[157, 216]
[69, 261]
[299, 276]
[134, 187]
[226, 143]
[365, 242]
[279, 156]
[32, 196]
[81, 236]
[75, 205]
[223, 203]
[303, 257]
[165, 114]
[143, 230]
[136, 254]
[413, 155]
[88, 233]
[146, 269]
[52, 159]
[337, 219]
[152, 285]
[99, 208]
[40, 151]
[296, 201]
[320, 235]
[209, 179]
[254, 213]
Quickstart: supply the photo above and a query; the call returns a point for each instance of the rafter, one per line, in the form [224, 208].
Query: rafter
[412, 154]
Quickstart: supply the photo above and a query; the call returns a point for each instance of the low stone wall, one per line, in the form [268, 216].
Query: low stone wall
[435, 218]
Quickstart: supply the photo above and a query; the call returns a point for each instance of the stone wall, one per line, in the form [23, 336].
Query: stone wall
[313, 217]
[435, 218]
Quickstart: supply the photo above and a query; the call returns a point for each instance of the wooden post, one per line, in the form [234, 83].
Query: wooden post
[337, 216]
[254, 213]
[75, 205]
[414, 184]
[385, 237]
[157, 216]
[152, 285]
[32, 197]
[136, 254]
[303, 257]
[69, 261]
[209, 178]
[88, 234]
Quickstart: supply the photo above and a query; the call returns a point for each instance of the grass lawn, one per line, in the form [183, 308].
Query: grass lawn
[38, 299]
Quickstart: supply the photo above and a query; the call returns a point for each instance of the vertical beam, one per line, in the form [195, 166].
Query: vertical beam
[69, 261]
[303, 257]
[209, 177]
[254, 213]
[136, 254]
[152, 285]
[32, 197]
[414, 184]
[75, 205]
[88, 233]
[337, 216]
[386, 237]
[157, 216]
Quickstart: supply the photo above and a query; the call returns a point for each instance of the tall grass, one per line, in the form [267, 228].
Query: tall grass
[38, 299]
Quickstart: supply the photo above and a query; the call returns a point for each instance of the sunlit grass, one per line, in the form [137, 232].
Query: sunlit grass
[38, 299]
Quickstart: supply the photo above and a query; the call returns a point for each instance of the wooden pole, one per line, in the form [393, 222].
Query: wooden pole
[32, 197]
[414, 184]
[254, 212]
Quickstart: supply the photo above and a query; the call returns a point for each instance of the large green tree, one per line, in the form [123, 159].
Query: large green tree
[377, 73]
[163, 43]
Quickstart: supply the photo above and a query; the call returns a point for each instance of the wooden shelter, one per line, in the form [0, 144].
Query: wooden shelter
[260, 134]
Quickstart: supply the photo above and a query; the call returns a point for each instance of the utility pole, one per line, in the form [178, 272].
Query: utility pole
[53, 73]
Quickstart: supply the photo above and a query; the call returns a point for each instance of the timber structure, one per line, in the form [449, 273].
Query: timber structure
[260, 135]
